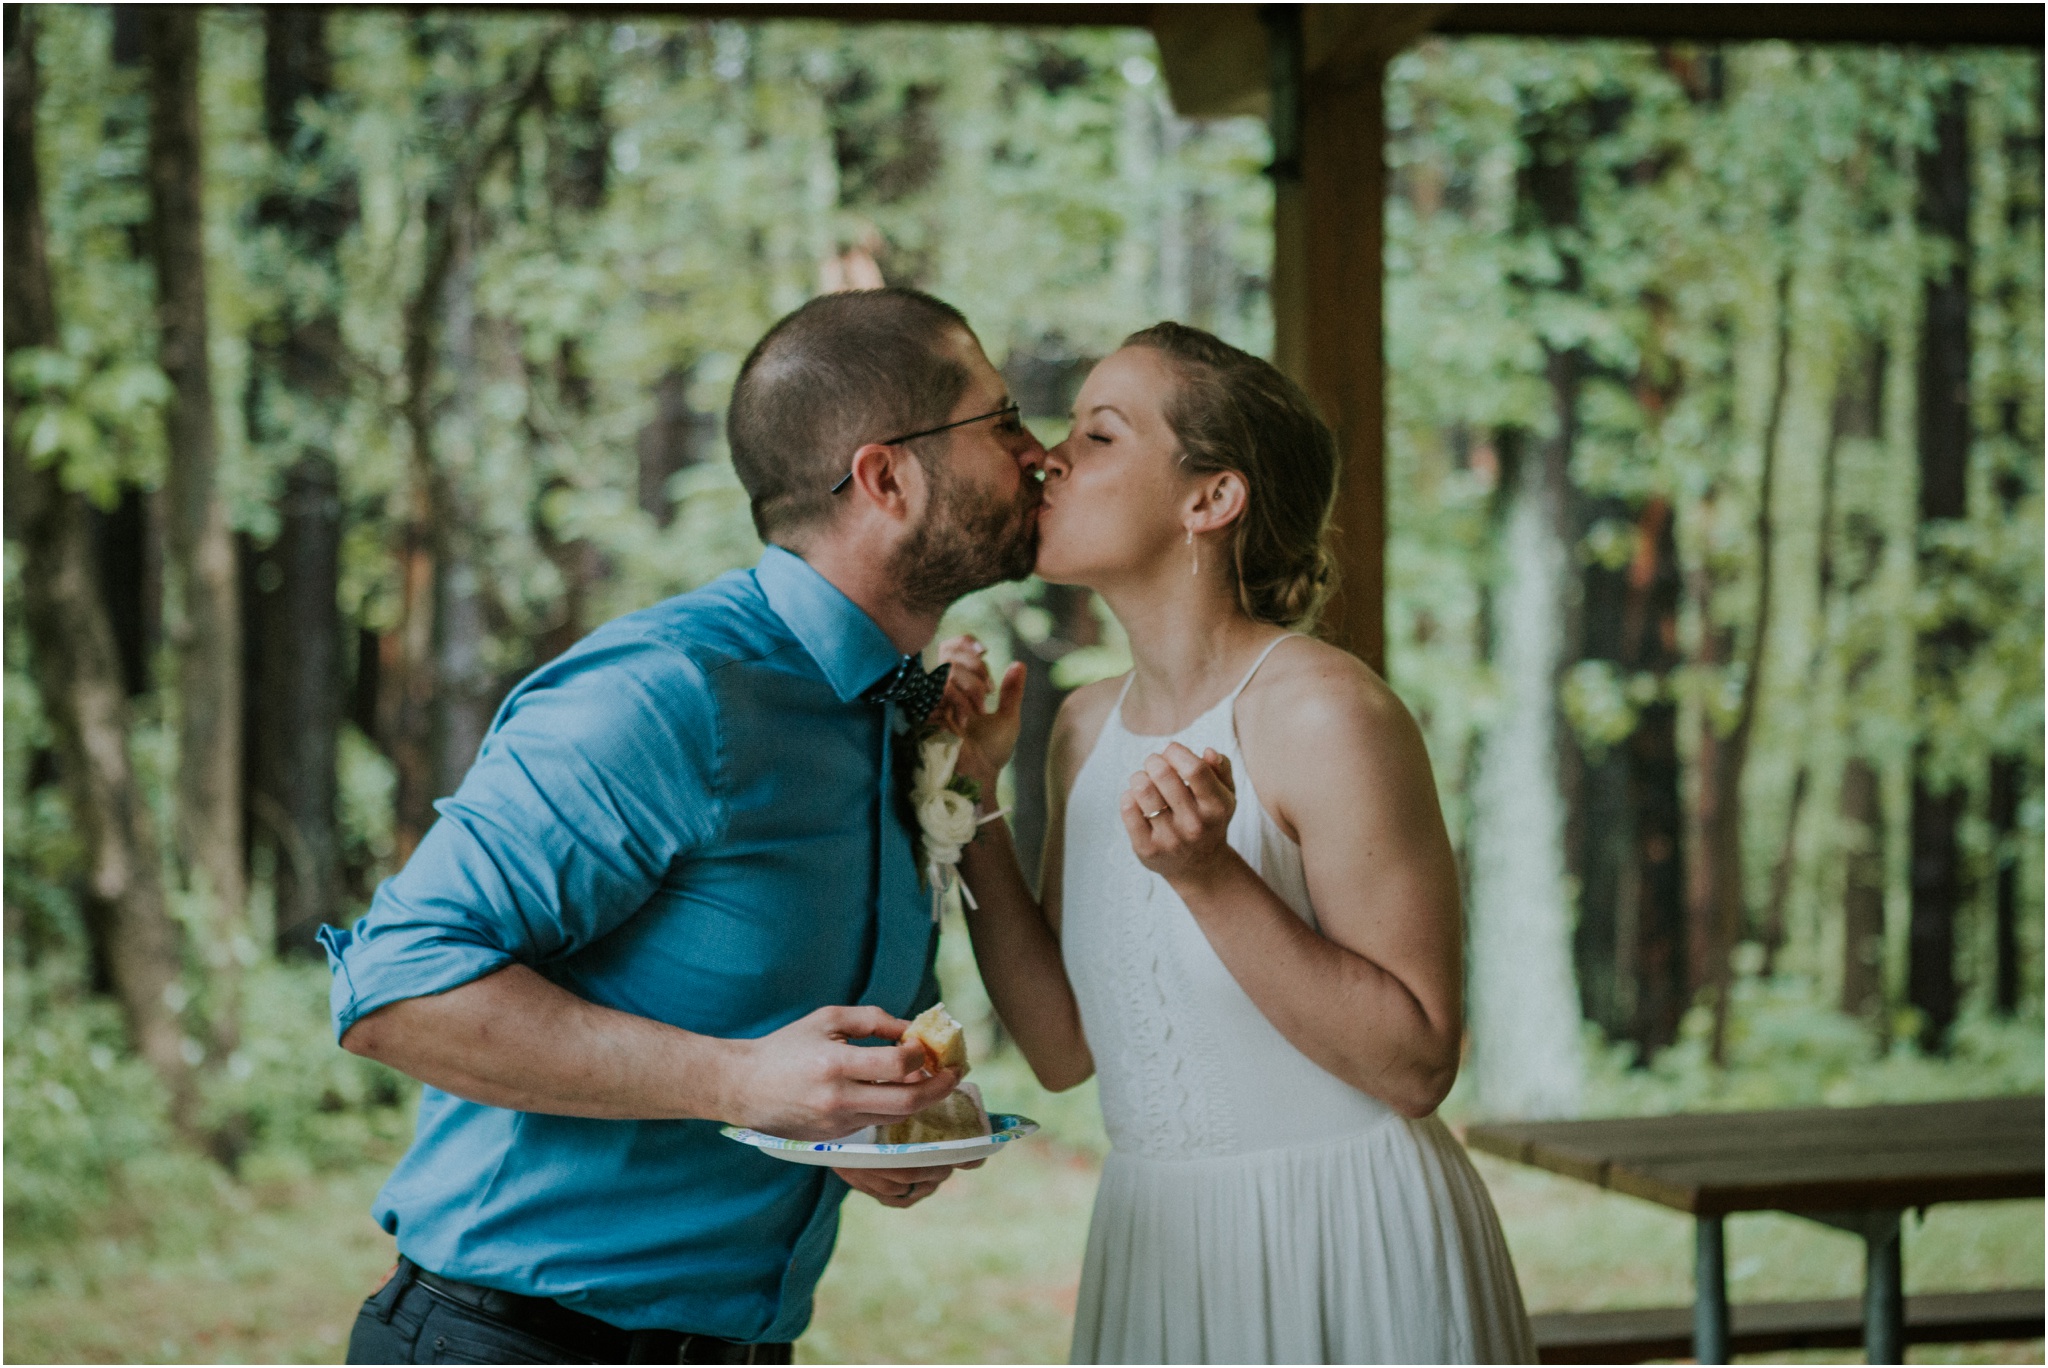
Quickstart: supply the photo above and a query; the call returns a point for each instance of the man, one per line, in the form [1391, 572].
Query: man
[675, 890]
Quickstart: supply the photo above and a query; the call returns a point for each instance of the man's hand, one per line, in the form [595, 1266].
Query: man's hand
[808, 1081]
[900, 1188]
[990, 737]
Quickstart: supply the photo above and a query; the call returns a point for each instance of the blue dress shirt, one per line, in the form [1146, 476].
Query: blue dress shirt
[684, 817]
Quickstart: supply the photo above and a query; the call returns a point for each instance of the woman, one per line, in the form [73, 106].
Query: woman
[1250, 921]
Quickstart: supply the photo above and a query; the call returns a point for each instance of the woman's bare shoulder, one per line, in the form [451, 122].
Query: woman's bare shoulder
[1325, 734]
[1310, 696]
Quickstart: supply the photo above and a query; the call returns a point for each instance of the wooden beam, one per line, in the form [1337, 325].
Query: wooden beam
[1919, 25]
[1216, 58]
[1347, 35]
[1219, 58]
[1343, 197]
[1009, 15]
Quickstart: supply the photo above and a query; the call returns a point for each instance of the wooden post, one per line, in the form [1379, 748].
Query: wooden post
[1321, 70]
[1288, 284]
[1343, 194]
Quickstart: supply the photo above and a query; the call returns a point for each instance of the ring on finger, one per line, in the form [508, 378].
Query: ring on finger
[1155, 816]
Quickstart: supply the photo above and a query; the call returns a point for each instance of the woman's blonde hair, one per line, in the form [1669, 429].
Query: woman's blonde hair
[1232, 411]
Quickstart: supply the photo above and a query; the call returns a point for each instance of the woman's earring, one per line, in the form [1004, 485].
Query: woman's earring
[1194, 555]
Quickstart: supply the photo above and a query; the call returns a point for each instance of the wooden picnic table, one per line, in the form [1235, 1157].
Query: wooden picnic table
[1854, 1168]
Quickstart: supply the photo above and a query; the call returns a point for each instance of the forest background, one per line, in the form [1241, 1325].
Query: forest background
[359, 361]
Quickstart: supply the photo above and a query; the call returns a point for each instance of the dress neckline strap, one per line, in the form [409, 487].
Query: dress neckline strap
[1116, 713]
[1284, 636]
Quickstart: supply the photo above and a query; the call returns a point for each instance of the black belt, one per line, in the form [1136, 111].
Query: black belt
[600, 1341]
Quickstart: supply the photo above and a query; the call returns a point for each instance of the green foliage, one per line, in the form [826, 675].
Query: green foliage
[1710, 186]
[86, 414]
[1786, 1050]
[86, 1119]
[305, 1101]
[82, 1110]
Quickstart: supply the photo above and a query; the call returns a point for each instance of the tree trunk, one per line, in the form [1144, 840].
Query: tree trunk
[466, 691]
[206, 639]
[1651, 913]
[439, 693]
[1938, 892]
[1590, 788]
[409, 661]
[1863, 835]
[1524, 1005]
[1939, 801]
[1723, 853]
[677, 437]
[2007, 774]
[1855, 385]
[295, 627]
[131, 579]
[128, 538]
[73, 659]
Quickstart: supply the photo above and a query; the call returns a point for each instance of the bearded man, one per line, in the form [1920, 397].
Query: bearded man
[676, 890]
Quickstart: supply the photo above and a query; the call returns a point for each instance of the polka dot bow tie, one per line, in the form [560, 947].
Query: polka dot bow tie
[911, 689]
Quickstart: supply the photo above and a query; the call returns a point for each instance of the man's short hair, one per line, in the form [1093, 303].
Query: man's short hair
[845, 369]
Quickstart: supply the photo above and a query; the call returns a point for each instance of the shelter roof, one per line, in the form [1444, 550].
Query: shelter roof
[1217, 62]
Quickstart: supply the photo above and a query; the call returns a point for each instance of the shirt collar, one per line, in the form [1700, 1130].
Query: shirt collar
[852, 651]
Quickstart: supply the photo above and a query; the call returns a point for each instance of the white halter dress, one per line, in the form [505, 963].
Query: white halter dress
[1254, 1208]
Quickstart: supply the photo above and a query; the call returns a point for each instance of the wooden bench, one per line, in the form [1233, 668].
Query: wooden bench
[1858, 1169]
[1665, 1332]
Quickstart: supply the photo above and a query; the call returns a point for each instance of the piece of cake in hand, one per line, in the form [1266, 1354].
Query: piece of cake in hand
[945, 1044]
[957, 1116]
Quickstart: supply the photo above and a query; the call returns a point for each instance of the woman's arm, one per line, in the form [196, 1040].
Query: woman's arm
[1016, 936]
[1375, 999]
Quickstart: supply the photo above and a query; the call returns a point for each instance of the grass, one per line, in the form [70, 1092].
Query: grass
[272, 1270]
[274, 1275]
[983, 1271]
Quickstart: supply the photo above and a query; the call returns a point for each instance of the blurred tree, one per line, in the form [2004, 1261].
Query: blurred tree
[443, 690]
[1940, 798]
[1721, 299]
[128, 537]
[297, 383]
[73, 655]
[205, 632]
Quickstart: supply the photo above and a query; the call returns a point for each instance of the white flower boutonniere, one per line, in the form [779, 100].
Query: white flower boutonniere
[944, 804]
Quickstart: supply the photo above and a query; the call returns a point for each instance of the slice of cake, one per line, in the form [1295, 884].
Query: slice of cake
[957, 1116]
[945, 1044]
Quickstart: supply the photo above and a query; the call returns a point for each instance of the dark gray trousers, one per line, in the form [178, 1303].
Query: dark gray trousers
[408, 1321]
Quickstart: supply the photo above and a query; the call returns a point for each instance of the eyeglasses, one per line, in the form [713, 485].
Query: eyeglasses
[1011, 409]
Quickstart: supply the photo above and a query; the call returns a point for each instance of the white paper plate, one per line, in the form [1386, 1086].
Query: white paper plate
[858, 1150]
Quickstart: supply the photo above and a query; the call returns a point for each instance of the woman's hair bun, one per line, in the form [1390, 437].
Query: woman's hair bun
[1233, 411]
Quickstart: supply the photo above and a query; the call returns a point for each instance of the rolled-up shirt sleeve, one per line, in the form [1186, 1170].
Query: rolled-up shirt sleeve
[599, 774]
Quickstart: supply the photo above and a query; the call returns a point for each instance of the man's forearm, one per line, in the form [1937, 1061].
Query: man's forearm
[513, 1039]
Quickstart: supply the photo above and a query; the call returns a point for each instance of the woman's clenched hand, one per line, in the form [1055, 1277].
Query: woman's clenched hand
[1177, 811]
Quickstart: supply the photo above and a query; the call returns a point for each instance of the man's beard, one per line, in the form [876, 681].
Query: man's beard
[966, 543]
